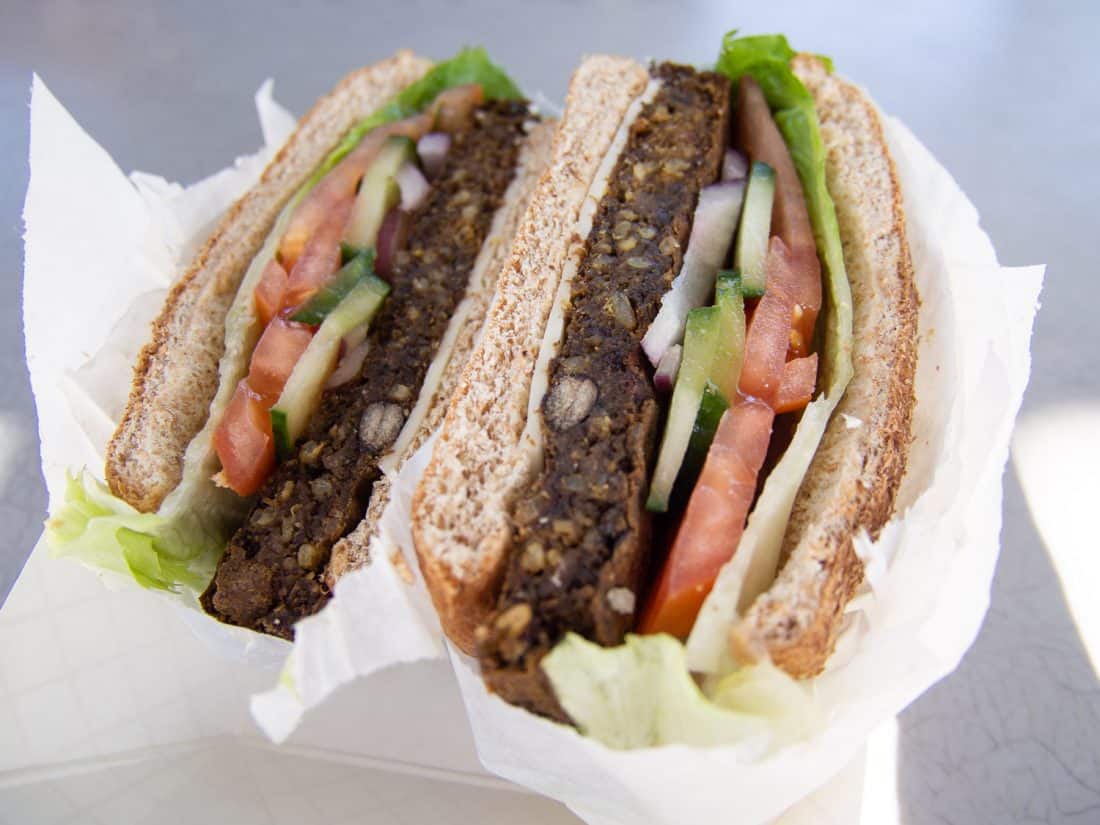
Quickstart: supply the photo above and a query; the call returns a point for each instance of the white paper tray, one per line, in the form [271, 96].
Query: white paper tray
[112, 711]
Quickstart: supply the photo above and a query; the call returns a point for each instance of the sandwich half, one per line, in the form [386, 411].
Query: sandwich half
[695, 384]
[312, 344]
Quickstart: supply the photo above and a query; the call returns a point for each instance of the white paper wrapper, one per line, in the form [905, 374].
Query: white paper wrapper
[87, 225]
[928, 575]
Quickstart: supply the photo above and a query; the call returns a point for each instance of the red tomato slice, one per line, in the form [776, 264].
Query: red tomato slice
[807, 300]
[714, 519]
[769, 332]
[760, 137]
[796, 387]
[270, 291]
[244, 442]
[276, 353]
[339, 185]
[321, 257]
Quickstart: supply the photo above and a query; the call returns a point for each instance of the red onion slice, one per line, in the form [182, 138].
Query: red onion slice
[712, 231]
[350, 364]
[391, 238]
[414, 186]
[735, 166]
[433, 148]
[668, 368]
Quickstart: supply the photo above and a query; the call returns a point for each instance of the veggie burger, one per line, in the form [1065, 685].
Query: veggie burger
[313, 343]
[694, 388]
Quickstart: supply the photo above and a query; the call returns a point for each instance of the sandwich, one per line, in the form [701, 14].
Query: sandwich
[694, 389]
[311, 345]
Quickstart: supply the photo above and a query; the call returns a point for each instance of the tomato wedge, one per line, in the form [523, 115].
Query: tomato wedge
[796, 386]
[276, 353]
[270, 291]
[769, 329]
[339, 184]
[244, 442]
[321, 257]
[759, 136]
[714, 519]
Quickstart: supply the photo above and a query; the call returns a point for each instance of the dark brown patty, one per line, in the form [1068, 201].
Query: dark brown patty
[581, 529]
[272, 572]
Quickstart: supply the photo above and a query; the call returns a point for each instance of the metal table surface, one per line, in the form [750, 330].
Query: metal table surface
[1003, 93]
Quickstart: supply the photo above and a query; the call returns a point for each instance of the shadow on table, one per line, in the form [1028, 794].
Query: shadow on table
[1011, 736]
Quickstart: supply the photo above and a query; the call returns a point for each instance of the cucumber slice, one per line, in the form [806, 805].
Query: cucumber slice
[756, 222]
[280, 429]
[711, 407]
[700, 343]
[349, 251]
[378, 192]
[326, 299]
[303, 389]
[730, 353]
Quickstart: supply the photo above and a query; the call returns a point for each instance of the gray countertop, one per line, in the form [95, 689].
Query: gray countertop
[1003, 93]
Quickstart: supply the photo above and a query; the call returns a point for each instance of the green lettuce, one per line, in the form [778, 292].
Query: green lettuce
[767, 59]
[640, 695]
[102, 531]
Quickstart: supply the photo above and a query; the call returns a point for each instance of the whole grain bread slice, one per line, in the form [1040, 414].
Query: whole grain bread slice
[461, 523]
[353, 551]
[176, 375]
[854, 476]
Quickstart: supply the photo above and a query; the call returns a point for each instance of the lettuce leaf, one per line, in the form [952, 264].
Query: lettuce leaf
[99, 530]
[640, 694]
[767, 59]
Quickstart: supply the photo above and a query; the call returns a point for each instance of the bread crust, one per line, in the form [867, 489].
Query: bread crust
[460, 517]
[176, 374]
[853, 479]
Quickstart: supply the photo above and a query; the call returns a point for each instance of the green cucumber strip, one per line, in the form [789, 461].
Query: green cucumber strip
[700, 343]
[711, 407]
[730, 355]
[756, 221]
[299, 398]
[326, 299]
[348, 251]
[280, 429]
[378, 191]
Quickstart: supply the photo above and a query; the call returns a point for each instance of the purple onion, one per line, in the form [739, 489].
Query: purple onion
[433, 148]
[735, 166]
[664, 379]
[414, 186]
[391, 237]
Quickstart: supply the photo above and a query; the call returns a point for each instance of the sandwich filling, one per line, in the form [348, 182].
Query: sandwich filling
[272, 573]
[665, 421]
[581, 530]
